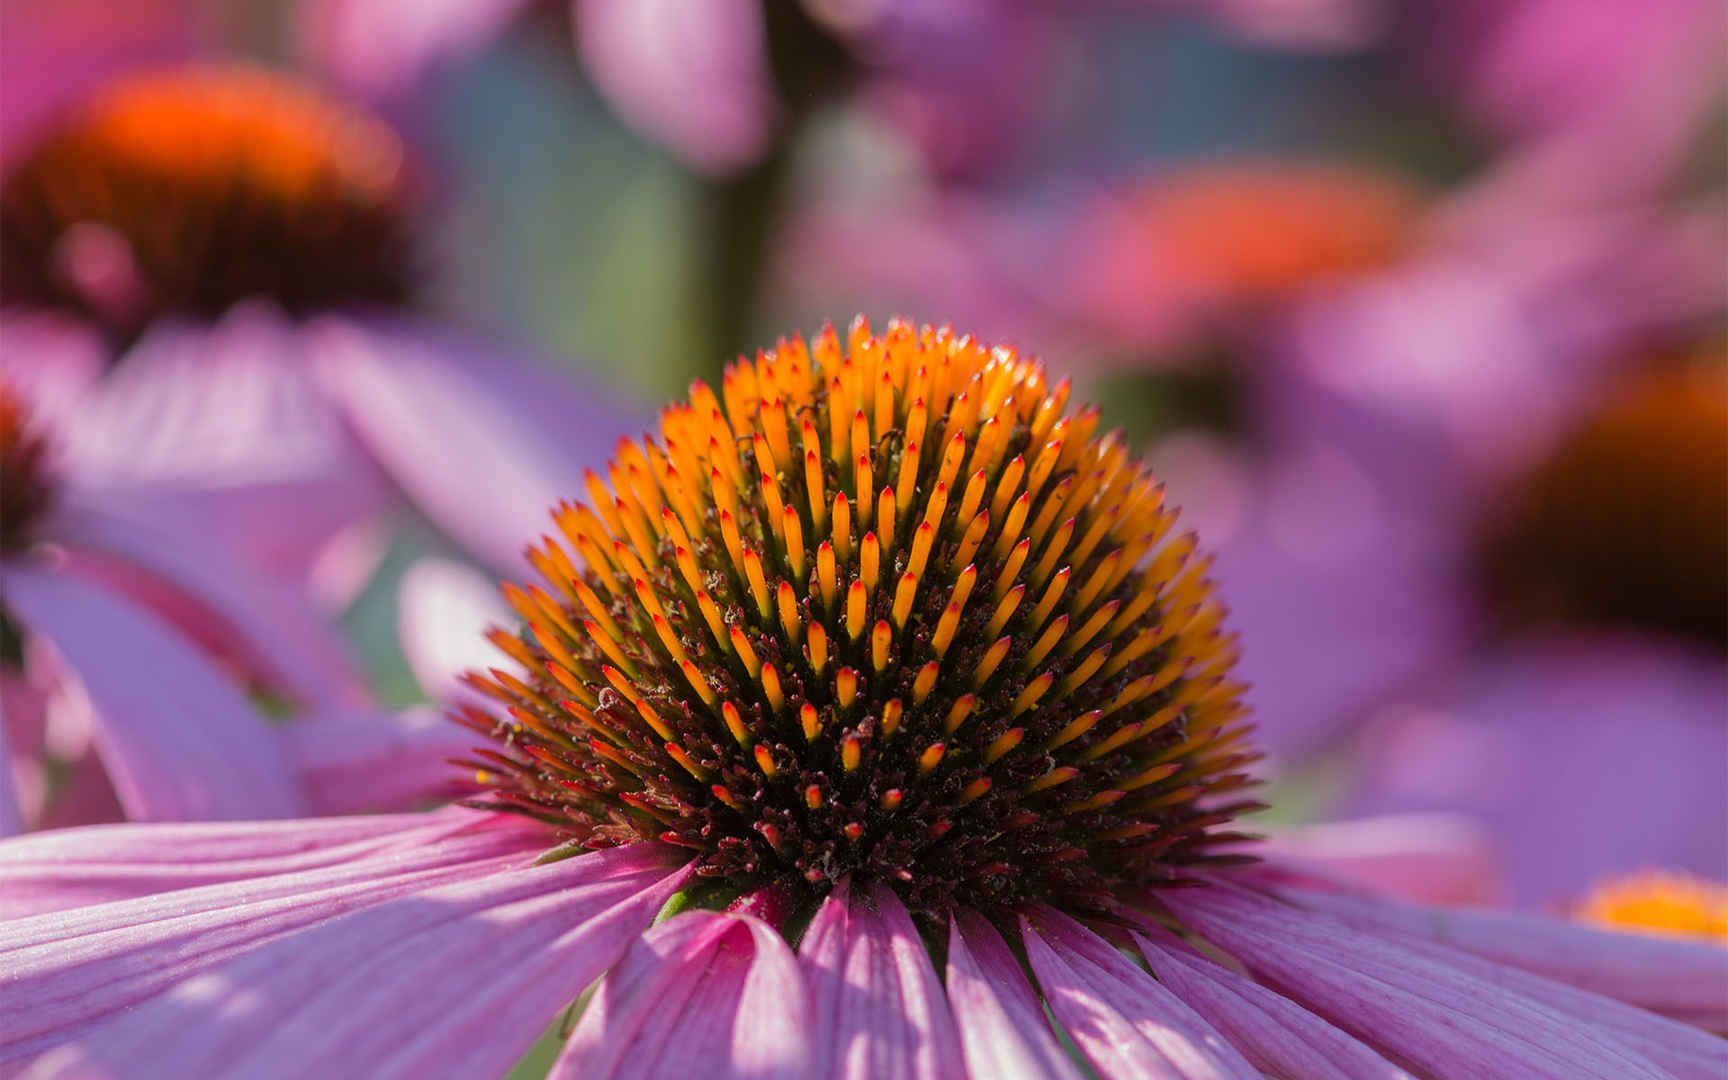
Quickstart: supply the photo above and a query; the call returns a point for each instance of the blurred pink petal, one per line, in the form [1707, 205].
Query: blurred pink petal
[11, 812]
[1001, 1021]
[483, 443]
[176, 736]
[1122, 1019]
[1438, 1018]
[370, 993]
[220, 428]
[68, 970]
[51, 361]
[692, 76]
[1427, 858]
[443, 612]
[1277, 1036]
[704, 994]
[266, 627]
[384, 48]
[1685, 979]
[67, 868]
[1524, 744]
[877, 1004]
[376, 761]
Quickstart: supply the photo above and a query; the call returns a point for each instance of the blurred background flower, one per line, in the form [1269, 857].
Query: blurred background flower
[1417, 307]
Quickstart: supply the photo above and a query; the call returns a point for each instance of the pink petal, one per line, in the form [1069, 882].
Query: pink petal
[1429, 1014]
[454, 979]
[265, 627]
[483, 442]
[177, 737]
[1002, 1025]
[443, 612]
[67, 970]
[11, 814]
[878, 1005]
[1687, 980]
[67, 868]
[379, 761]
[383, 48]
[701, 995]
[223, 425]
[1121, 1018]
[49, 360]
[1432, 858]
[1276, 1035]
[693, 77]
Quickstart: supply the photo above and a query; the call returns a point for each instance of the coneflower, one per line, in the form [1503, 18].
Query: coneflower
[899, 720]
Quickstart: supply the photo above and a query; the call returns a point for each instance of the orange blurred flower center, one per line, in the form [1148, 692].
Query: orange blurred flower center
[191, 190]
[1660, 902]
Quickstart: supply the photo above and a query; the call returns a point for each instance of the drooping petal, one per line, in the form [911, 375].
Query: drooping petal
[177, 737]
[1429, 1014]
[703, 994]
[67, 868]
[1002, 1026]
[69, 969]
[455, 979]
[483, 442]
[1274, 1033]
[693, 77]
[383, 49]
[222, 424]
[1122, 1019]
[263, 626]
[443, 611]
[878, 1006]
[1676, 977]
[350, 761]
[1431, 858]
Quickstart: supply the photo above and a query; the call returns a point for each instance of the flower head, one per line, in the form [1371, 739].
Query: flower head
[884, 610]
[1659, 902]
[186, 191]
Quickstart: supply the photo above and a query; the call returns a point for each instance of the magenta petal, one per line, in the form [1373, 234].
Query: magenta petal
[701, 995]
[455, 979]
[1427, 1013]
[1122, 1019]
[1275, 1034]
[1433, 858]
[878, 1005]
[176, 736]
[353, 761]
[443, 612]
[69, 969]
[1002, 1025]
[67, 868]
[483, 442]
[1673, 976]
[382, 48]
[266, 626]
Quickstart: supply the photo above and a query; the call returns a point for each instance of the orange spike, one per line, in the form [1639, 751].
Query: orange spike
[1004, 610]
[885, 519]
[907, 478]
[856, 601]
[970, 542]
[746, 654]
[1077, 727]
[1011, 568]
[846, 687]
[765, 761]
[1047, 641]
[891, 714]
[771, 687]
[1030, 696]
[816, 647]
[809, 721]
[974, 791]
[787, 603]
[925, 682]
[842, 527]
[1011, 528]
[864, 484]
[1002, 744]
[930, 758]
[813, 487]
[869, 561]
[904, 594]
[851, 753]
[973, 497]
[827, 575]
[945, 627]
[758, 581]
[735, 723]
[880, 638]
[992, 657]
[958, 712]
[793, 531]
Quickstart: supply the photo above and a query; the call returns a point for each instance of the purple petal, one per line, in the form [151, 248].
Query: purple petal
[11, 814]
[265, 627]
[703, 994]
[1121, 1018]
[443, 611]
[692, 76]
[176, 736]
[382, 761]
[483, 442]
[67, 970]
[1429, 1014]
[1276, 1035]
[1431, 858]
[1676, 977]
[878, 1005]
[67, 868]
[382, 48]
[1002, 1025]
[455, 979]
[222, 427]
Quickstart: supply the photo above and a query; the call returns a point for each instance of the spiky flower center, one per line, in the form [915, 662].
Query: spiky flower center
[1623, 524]
[191, 190]
[882, 609]
[26, 493]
